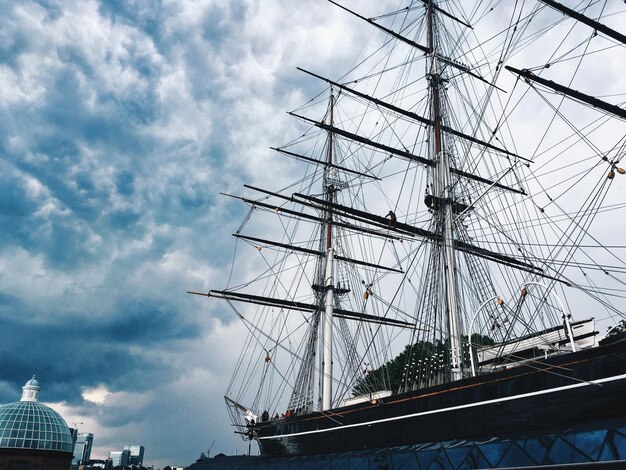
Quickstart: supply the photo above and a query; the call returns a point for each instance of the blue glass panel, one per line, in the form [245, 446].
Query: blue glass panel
[358, 463]
[493, 451]
[563, 452]
[611, 449]
[456, 455]
[537, 448]
[589, 443]
[440, 462]
[426, 458]
[515, 456]
[476, 459]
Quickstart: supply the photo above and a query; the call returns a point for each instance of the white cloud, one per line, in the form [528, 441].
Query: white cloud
[97, 395]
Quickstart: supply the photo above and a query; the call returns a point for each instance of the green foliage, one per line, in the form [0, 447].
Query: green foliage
[420, 360]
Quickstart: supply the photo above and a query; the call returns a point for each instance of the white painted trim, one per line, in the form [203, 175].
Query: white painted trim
[452, 408]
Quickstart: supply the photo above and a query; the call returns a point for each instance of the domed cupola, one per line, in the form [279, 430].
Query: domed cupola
[30, 390]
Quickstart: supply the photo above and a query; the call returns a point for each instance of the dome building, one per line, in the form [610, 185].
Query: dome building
[32, 435]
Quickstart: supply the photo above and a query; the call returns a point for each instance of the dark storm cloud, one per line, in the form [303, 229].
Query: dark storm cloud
[8, 301]
[14, 200]
[89, 348]
[16, 210]
[218, 23]
[125, 183]
[111, 122]
[123, 219]
[120, 122]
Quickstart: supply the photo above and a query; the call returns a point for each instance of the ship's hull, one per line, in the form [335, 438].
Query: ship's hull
[567, 391]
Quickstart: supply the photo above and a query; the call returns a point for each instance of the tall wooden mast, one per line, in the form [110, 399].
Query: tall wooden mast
[327, 319]
[444, 193]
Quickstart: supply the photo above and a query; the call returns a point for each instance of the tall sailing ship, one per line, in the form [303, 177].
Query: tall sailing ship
[443, 265]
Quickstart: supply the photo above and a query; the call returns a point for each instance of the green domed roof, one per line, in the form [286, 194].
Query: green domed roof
[28, 424]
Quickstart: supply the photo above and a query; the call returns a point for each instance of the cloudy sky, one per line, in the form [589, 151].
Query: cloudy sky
[120, 122]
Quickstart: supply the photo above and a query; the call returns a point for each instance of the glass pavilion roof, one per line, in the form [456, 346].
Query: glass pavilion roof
[28, 424]
[32, 425]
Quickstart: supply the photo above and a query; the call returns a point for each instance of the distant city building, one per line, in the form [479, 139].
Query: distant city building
[97, 463]
[82, 449]
[33, 435]
[136, 454]
[118, 458]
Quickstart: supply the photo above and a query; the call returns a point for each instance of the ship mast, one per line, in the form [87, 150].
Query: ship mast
[443, 192]
[327, 319]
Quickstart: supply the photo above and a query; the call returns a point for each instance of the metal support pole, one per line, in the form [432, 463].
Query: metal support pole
[469, 331]
[327, 364]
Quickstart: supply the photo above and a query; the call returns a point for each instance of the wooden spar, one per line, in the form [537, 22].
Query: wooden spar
[404, 153]
[401, 227]
[413, 115]
[320, 162]
[595, 102]
[586, 20]
[302, 306]
[386, 30]
[467, 70]
[345, 225]
[314, 252]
